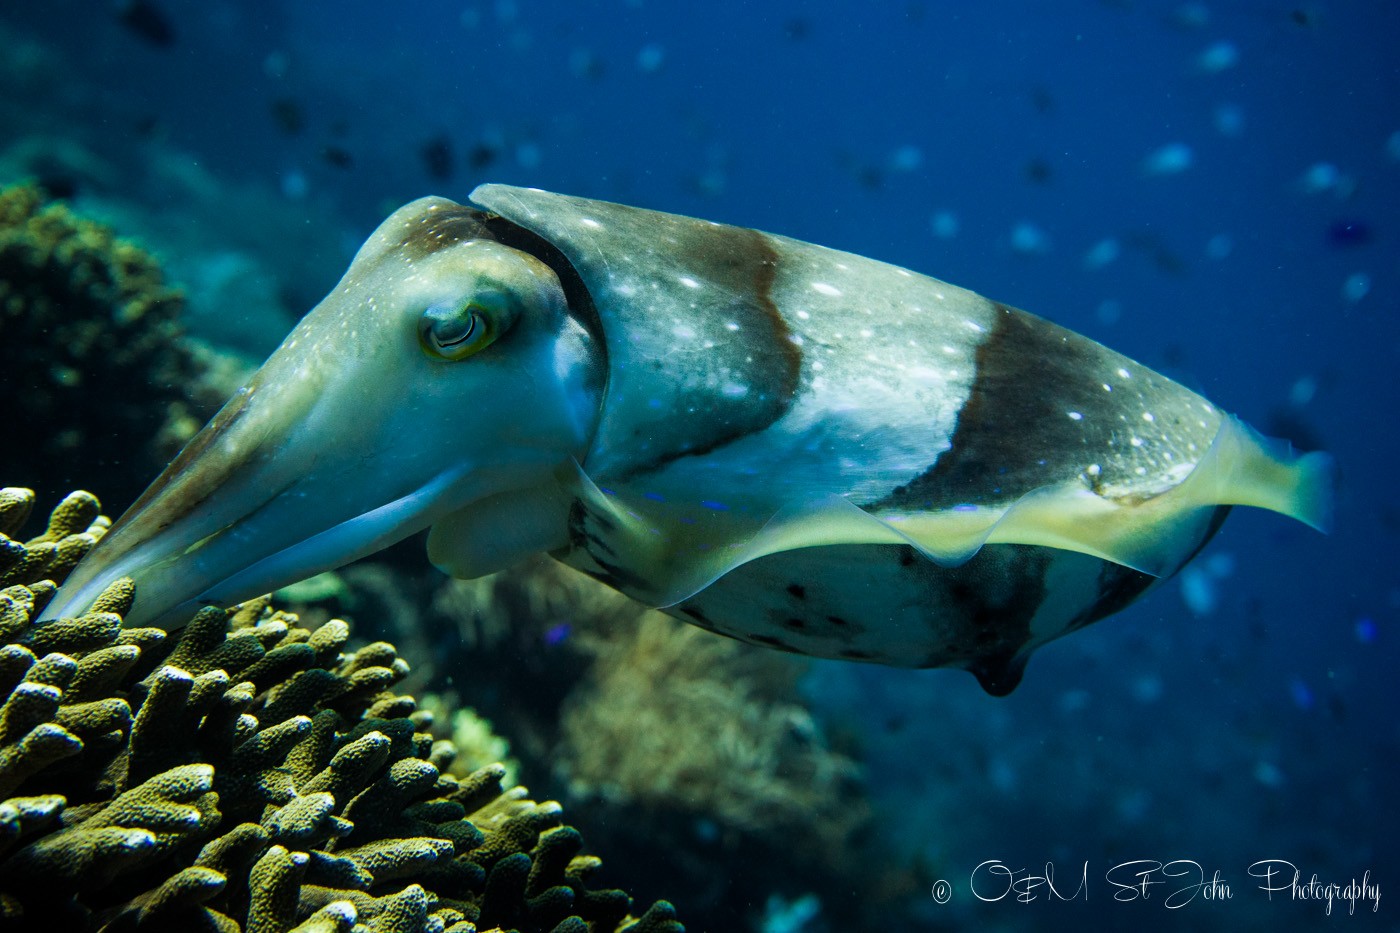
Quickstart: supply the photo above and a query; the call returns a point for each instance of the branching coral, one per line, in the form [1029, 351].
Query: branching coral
[657, 716]
[89, 349]
[248, 774]
[675, 718]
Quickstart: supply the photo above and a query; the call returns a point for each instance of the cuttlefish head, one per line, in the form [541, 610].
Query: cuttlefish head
[445, 369]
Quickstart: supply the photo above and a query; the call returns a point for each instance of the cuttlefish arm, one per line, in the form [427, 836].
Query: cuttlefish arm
[444, 370]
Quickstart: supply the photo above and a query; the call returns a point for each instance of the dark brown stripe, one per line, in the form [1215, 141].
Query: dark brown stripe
[442, 228]
[177, 491]
[576, 293]
[447, 226]
[979, 613]
[1014, 433]
[221, 424]
[1118, 587]
[743, 263]
[654, 251]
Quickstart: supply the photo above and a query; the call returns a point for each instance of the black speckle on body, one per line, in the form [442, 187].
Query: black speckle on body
[891, 605]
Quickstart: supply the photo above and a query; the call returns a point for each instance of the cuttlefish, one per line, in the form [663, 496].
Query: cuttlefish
[790, 445]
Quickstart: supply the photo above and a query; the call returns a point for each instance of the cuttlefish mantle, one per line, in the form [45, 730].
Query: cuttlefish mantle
[787, 444]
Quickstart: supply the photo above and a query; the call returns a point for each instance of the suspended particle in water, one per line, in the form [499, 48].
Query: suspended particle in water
[1229, 120]
[294, 185]
[1356, 287]
[651, 58]
[1171, 159]
[1301, 693]
[1029, 239]
[1102, 253]
[1268, 774]
[945, 224]
[906, 159]
[1191, 16]
[1220, 246]
[1303, 391]
[1322, 177]
[1219, 57]
[1198, 590]
[1365, 629]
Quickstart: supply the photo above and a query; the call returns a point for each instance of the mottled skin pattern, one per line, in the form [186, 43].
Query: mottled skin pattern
[913, 397]
[787, 444]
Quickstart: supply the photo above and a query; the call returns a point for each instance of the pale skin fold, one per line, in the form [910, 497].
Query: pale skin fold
[787, 444]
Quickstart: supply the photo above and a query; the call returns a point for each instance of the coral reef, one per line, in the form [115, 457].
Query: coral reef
[248, 774]
[90, 351]
[655, 734]
[85, 302]
[676, 719]
[645, 713]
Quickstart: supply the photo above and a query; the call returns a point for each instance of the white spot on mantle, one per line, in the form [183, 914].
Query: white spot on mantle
[826, 289]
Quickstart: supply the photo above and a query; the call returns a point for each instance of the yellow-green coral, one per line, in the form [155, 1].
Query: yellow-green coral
[475, 740]
[249, 774]
[661, 720]
[89, 348]
[678, 719]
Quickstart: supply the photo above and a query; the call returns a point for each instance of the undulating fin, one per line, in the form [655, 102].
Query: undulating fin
[668, 562]
[1243, 467]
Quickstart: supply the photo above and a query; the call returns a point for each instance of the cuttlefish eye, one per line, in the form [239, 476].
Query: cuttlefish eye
[454, 330]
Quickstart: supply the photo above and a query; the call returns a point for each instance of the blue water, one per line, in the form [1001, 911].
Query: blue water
[1211, 188]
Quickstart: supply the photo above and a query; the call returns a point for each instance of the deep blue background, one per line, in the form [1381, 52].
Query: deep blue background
[1265, 728]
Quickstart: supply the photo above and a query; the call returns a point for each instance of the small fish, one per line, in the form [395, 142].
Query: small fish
[436, 154]
[790, 445]
[1305, 18]
[1349, 231]
[337, 156]
[1039, 171]
[145, 19]
[289, 116]
[481, 156]
[587, 64]
[797, 28]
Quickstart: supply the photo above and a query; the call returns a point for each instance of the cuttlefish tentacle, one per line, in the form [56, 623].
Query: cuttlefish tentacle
[788, 444]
